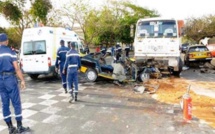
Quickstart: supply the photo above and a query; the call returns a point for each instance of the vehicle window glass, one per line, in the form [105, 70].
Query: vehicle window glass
[155, 29]
[40, 47]
[198, 49]
[34, 47]
[27, 48]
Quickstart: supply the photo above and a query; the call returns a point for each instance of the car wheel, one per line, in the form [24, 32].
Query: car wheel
[91, 75]
[144, 77]
[34, 76]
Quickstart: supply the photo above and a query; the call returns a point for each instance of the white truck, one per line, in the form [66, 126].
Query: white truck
[157, 42]
[39, 48]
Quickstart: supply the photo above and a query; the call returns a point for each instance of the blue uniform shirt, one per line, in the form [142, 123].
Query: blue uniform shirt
[61, 55]
[7, 57]
[73, 59]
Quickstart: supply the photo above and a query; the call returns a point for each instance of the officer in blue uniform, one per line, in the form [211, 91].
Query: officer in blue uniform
[127, 50]
[118, 52]
[9, 89]
[72, 64]
[60, 61]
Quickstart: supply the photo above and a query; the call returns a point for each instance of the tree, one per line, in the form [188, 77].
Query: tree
[117, 18]
[10, 11]
[131, 13]
[40, 9]
[20, 17]
[199, 28]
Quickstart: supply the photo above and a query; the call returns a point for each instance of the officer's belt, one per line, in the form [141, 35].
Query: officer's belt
[75, 65]
[7, 73]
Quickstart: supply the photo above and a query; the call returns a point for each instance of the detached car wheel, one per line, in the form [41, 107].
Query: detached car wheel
[144, 77]
[91, 75]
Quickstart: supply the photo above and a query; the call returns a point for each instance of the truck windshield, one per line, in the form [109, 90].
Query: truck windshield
[34, 47]
[157, 29]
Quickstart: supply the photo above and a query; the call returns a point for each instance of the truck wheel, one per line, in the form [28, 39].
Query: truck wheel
[91, 75]
[34, 76]
[180, 65]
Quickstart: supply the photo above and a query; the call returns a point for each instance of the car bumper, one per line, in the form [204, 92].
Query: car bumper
[203, 59]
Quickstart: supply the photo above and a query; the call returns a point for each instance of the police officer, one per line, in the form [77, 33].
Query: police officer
[103, 50]
[60, 61]
[118, 52]
[127, 50]
[9, 89]
[72, 65]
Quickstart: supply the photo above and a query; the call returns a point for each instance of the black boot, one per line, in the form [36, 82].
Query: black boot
[65, 91]
[21, 129]
[11, 128]
[72, 97]
[76, 96]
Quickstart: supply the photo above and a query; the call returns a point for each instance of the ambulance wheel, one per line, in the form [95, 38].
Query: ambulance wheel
[56, 75]
[91, 75]
[34, 76]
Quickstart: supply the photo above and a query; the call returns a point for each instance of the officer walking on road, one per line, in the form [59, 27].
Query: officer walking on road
[60, 61]
[9, 89]
[72, 65]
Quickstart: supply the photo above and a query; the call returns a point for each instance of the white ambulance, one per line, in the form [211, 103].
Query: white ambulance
[39, 49]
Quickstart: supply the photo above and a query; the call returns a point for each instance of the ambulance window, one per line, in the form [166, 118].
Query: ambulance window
[34, 47]
[40, 47]
[27, 48]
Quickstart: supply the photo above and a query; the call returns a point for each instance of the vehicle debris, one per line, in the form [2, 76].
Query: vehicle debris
[207, 68]
[148, 88]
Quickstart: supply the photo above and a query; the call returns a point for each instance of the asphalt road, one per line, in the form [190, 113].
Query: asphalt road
[103, 108]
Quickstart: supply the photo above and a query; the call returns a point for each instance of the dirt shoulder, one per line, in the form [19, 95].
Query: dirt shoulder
[172, 89]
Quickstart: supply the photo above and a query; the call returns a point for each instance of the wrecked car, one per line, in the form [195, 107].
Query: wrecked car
[92, 68]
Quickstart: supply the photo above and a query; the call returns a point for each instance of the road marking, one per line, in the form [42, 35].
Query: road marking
[27, 105]
[47, 96]
[48, 102]
[51, 110]
[54, 119]
[2, 127]
[27, 113]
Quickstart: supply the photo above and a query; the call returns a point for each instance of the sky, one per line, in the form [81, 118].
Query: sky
[179, 9]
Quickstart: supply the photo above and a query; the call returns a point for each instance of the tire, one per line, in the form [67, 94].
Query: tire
[91, 75]
[144, 77]
[34, 76]
[180, 65]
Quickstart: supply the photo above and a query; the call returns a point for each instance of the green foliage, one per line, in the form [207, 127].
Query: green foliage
[40, 9]
[14, 37]
[199, 28]
[10, 11]
[115, 21]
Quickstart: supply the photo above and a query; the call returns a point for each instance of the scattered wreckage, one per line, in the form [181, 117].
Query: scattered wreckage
[207, 68]
[93, 69]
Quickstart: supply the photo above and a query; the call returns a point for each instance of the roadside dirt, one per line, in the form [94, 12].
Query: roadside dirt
[172, 89]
